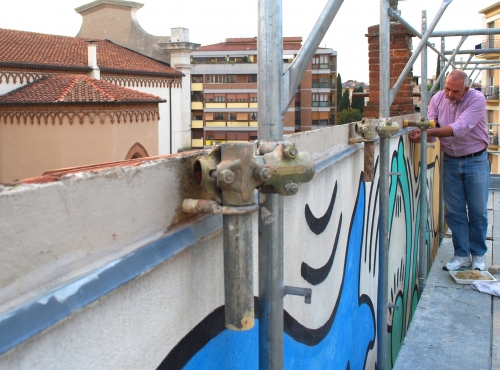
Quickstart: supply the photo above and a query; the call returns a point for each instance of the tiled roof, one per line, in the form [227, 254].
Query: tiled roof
[37, 49]
[250, 43]
[74, 89]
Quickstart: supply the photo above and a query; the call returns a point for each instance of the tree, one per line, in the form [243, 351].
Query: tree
[339, 89]
[345, 102]
[358, 103]
[349, 115]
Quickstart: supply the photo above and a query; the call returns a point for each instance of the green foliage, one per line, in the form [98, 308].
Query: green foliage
[345, 102]
[358, 103]
[348, 116]
[339, 89]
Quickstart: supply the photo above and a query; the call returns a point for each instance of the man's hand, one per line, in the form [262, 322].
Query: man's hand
[415, 136]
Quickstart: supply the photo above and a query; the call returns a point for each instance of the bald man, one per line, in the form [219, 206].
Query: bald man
[460, 114]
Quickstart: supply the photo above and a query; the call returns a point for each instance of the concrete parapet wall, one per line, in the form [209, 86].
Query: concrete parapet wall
[103, 270]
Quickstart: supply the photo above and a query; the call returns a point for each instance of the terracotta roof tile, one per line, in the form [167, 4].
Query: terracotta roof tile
[250, 43]
[30, 48]
[74, 89]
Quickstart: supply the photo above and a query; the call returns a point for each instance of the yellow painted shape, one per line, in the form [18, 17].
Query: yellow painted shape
[237, 105]
[196, 87]
[215, 105]
[215, 124]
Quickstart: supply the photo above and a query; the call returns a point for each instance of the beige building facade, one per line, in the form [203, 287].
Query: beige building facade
[37, 134]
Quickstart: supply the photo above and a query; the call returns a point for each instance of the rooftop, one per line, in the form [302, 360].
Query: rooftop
[250, 43]
[74, 89]
[31, 49]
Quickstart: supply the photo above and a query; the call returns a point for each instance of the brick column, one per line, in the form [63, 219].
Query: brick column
[400, 49]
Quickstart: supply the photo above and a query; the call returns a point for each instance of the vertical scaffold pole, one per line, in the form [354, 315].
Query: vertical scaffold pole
[270, 72]
[382, 296]
[422, 266]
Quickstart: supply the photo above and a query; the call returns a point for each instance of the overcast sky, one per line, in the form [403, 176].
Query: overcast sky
[211, 22]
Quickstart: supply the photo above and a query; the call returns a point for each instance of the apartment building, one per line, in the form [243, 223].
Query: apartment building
[224, 101]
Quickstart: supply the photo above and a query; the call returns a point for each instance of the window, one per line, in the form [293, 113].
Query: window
[253, 97]
[220, 79]
[231, 98]
[253, 116]
[242, 97]
[219, 116]
[231, 116]
[209, 135]
[209, 98]
[231, 135]
[196, 79]
[253, 135]
[220, 98]
[209, 116]
[242, 116]
[252, 78]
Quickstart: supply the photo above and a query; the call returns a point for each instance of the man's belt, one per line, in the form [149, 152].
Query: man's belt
[468, 155]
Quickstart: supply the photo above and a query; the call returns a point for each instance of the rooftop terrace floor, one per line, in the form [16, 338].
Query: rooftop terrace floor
[455, 326]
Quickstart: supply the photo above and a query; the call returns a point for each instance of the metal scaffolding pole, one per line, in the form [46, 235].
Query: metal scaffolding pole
[422, 265]
[270, 69]
[452, 58]
[383, 294]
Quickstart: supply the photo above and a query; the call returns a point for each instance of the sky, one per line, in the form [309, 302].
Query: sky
[211, 22]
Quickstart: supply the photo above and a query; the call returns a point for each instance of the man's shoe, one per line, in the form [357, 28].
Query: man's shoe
[457, 262]
[478, 263]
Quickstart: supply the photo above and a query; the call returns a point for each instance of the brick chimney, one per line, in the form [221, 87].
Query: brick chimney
[92, 59]
[400, 50]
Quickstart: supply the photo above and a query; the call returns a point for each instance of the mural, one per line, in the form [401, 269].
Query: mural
[346, 340]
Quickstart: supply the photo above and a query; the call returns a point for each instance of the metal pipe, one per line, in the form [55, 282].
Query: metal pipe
[489, 67]
[480, 62]
[382, 291]
[441, 199]
[480, 70]
[468, 61]
[474, 32]
[408, 26]
[384, 52]
[424, 96]
[441, 75]
[474, 51]
[441, 65]
[270, 72]
[294, 74]
[238, 271]
[422, 250]
[416, 53]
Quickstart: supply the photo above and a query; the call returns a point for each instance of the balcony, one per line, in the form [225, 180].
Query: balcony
[196, 87]
[197, 124]
[196, 143]
[196, 105]
[215, 105]
[490, 92]
[215, 123]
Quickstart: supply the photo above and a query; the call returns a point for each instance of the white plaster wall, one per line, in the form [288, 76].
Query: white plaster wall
[54, 232]
[164, 109]
[138, 324]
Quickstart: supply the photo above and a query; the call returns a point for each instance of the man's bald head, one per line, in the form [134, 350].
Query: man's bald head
[459, 76]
